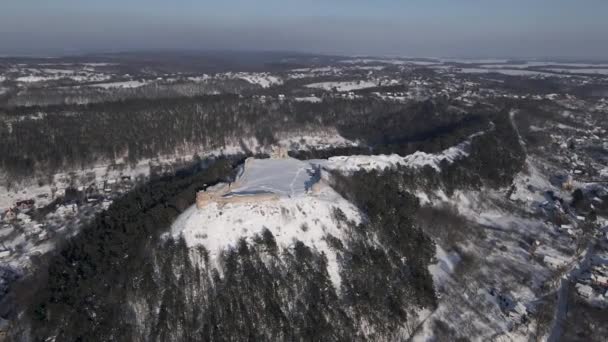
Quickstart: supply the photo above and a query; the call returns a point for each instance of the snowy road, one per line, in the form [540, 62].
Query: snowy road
[561, 307]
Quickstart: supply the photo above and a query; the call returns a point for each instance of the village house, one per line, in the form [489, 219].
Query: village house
[600, 269]
[599, 280]
[584, 291]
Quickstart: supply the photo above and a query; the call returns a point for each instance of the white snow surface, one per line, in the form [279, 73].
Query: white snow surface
[312, 99]
[286, 177]
[33, 79]
[200, 78]
[445, 266]
[415, 160]
[263, 79]
[305, 217]
[45, 75]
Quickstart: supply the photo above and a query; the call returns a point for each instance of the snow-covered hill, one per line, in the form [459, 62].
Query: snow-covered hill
[297, 214]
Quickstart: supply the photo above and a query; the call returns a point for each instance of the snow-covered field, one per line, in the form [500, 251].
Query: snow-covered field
[286, 177]
[264, 80]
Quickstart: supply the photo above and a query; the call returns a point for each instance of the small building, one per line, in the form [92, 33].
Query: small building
[599, 280]
[584, 291]
[600, 269]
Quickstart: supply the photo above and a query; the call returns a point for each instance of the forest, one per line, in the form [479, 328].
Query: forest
[37, 141]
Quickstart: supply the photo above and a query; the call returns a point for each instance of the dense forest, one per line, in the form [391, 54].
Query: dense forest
[37, 141]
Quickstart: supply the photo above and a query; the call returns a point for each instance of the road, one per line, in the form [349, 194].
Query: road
[561, 307]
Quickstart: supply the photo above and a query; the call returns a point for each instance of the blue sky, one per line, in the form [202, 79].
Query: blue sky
[459, 28]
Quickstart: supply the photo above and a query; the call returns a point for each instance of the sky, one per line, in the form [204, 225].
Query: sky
[416, 28]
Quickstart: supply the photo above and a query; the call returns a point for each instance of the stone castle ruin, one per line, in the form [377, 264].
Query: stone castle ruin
[221, 195]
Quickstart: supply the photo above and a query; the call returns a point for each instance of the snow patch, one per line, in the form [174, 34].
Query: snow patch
[124, 84]
[416, 160]
[343, 86]
[312, 99]
[445, 266]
